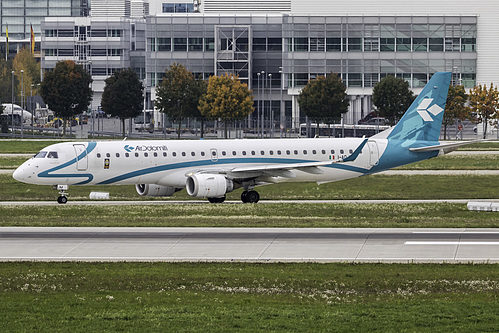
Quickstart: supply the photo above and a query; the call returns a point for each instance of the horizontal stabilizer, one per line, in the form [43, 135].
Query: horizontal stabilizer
[444, 147]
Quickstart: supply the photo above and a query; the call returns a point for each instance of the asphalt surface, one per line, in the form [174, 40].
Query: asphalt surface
[250, 245]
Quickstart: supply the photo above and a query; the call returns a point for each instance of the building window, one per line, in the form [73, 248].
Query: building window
[179, 44]
[195, 44]
[274, 44]
[420, 44]
[209, 44]
[164, 44]
[403, 44]
[333, 44]
[387, 44]
[301, 44]
[114, 33]
[317, 45]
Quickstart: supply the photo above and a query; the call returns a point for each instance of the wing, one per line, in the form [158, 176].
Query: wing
[281, 170]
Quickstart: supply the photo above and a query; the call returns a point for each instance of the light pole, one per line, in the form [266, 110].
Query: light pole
[271, 111]
[12, 109]
[281, 125]
[258, 109]
[263, 105]
[22, 102]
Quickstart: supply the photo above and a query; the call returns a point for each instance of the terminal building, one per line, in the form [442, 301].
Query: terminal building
[276, 46]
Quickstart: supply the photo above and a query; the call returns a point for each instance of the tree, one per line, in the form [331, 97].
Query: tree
[392, 97]
[324, 99]
[484, 104]
[67, 90]
[5, 80]
[178, 95]
[226, 98]
[26, 62]
[455, 107]
[123, 95]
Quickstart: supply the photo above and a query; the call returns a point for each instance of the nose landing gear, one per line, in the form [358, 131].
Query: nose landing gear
[62, 199]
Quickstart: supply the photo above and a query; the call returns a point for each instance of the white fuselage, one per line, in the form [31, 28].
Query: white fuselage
[169, 162]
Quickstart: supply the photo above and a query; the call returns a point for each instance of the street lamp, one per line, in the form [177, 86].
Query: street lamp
[258, 109]
[271, 112]
[263, 104]
[280, 107]
[12, 109]
[22, 102]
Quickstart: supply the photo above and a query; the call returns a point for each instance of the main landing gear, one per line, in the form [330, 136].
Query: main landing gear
[250, 196]
[62, 199]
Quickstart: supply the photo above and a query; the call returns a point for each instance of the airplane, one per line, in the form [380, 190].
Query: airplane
[212, 168]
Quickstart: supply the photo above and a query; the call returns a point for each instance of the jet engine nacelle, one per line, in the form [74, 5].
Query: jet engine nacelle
[153, 190]
[204, 185]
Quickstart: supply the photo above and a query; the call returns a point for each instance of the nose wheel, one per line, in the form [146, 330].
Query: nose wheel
[62, 199]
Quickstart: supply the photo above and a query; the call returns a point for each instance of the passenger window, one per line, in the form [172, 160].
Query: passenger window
[253, 152]
[42, 154]
[262, 152]
[108, 155]
[323, 152]
[224, 153]
[127, 154]
[332, 151]
[136, 154]
[155, 154]
[183, 153]
[296, 152]
[304, 152]
[146, 154]
[52, 154]
[117, 154]
[164, 154]
[202, 153]
[288, 152]
[193, 153]
[98, 155]
[314, 152]
[278, 152]
[350, 151]
[174, 154]
[342, 151]
[244, 152]
[271, 152]
[234, 152]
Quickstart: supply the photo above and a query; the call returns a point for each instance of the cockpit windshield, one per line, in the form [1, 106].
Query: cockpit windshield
[41, 154]
[50, 154]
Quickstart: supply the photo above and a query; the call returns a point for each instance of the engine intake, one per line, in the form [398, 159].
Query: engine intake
[153, 190]
[204, 185]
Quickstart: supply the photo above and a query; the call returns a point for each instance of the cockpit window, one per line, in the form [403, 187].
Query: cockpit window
[52, 154]
[41, 154]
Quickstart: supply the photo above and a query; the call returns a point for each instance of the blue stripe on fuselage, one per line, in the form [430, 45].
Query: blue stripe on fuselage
[48, 173]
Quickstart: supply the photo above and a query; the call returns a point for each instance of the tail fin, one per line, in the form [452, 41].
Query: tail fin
[423, 120]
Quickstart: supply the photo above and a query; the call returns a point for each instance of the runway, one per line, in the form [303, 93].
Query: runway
[250, 245]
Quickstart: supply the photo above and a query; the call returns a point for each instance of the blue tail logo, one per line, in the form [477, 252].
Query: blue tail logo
[423, 119]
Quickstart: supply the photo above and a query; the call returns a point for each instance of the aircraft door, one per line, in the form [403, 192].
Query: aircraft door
[81, 162]
[373, 153]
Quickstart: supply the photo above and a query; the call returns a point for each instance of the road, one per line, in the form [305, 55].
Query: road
[250, 244]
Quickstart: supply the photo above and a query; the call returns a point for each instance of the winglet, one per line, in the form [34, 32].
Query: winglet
[356, 153]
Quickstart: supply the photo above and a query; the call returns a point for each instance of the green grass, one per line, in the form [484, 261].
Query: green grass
[288, 215]
[368, 187]
[457, 162]
[24, 146]
[240, 297]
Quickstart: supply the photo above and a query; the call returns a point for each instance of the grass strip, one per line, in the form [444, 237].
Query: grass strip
[243, 297]
[368, 187]
[320, 215]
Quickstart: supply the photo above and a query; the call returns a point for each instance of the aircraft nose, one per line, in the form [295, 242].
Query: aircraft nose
[19, 174]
